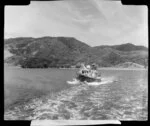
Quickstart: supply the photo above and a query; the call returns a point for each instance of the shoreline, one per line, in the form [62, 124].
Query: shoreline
[100, 68]
[113, 68]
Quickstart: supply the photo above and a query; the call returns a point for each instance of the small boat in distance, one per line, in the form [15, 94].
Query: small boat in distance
[88, 74]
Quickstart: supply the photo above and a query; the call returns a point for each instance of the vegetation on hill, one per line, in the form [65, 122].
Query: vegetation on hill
[129, 65]
[57, 52]
[124, 47]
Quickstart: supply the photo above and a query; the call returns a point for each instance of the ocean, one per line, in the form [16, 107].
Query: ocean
[47, 94]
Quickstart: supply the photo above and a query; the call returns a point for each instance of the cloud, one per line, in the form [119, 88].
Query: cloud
[93, 21]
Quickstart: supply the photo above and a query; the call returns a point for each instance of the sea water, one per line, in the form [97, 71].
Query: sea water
[53, 94]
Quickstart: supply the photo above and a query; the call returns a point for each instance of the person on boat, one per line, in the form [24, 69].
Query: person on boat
[83, 69]
[88, 67]
[89, 70]
[94, 71]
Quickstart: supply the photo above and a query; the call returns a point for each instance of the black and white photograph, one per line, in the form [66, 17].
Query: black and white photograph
[76, 60]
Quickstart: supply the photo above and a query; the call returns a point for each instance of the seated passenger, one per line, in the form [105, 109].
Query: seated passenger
[83, 69]
[88, 67]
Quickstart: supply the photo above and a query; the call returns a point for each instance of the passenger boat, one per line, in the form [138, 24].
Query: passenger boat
[88, 75]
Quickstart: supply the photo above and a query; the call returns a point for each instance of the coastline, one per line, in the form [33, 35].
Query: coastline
[100, 68]
[121, 68]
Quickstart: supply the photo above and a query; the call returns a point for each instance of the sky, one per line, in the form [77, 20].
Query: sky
[94, 22]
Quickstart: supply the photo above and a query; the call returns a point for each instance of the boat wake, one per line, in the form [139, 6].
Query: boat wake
[74, 81]
[105, 80]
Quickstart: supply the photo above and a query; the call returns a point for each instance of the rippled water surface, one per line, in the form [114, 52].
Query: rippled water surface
[45, 94]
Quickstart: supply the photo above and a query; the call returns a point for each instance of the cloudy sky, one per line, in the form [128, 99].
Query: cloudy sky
[95, 22]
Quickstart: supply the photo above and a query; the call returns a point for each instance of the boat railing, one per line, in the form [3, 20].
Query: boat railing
[89, 73]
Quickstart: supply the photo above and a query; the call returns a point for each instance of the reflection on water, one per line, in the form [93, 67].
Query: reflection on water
[124, 99]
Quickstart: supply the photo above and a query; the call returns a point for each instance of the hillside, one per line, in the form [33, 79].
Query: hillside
[67, 51]
[124, 47]
[129, 65]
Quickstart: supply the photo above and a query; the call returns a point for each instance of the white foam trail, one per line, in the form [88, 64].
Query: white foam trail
[74, 81]
[105, 80]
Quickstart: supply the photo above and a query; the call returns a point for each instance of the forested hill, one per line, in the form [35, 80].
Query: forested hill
[68, 51]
